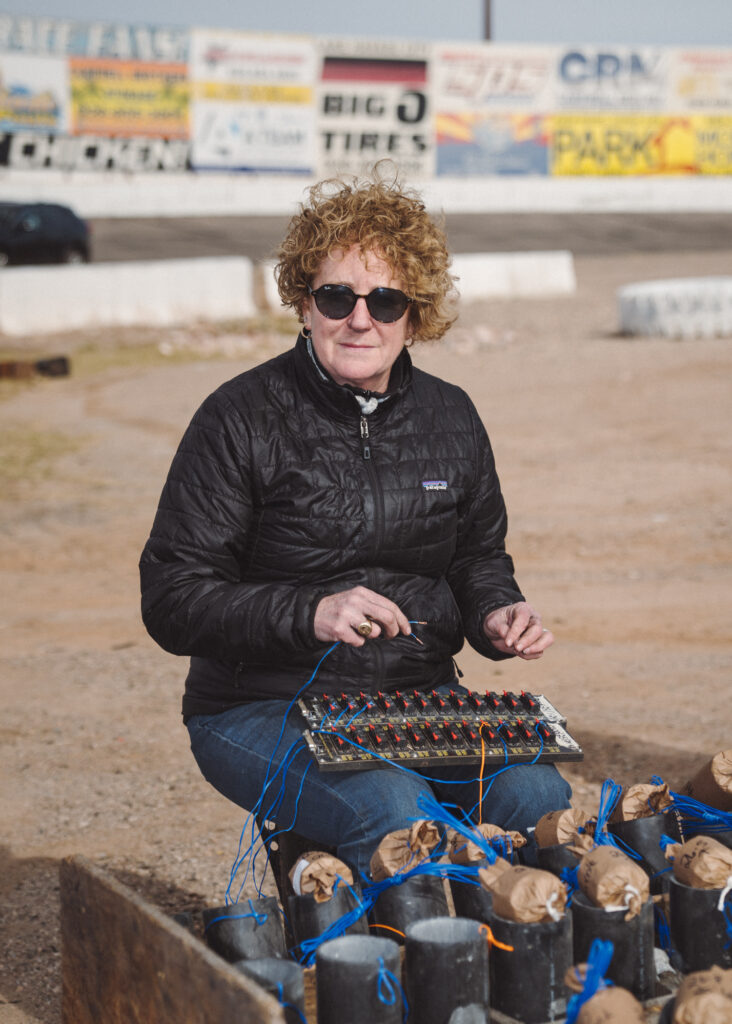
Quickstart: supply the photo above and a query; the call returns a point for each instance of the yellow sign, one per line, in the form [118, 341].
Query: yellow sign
[115, 97]
[235, 92]
[714, 144]
[622, 144]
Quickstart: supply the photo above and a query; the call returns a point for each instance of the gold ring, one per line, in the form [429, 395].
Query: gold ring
[364, 629]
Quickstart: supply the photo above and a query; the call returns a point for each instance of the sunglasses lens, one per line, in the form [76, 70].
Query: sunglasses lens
[337, 301]
[387, 304]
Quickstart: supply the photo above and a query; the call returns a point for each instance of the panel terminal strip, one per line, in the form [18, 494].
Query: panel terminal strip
[425, 728]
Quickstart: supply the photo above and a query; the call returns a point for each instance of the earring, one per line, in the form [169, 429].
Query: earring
[306, 332]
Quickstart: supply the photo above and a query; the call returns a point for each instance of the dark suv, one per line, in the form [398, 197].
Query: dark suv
[42, 233]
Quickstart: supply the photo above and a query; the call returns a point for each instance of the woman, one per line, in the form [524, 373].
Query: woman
[337, 495]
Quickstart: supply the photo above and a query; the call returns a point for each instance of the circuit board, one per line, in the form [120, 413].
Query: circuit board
[426, 728]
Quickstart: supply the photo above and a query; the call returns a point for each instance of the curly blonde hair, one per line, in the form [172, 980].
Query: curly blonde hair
[378, 216]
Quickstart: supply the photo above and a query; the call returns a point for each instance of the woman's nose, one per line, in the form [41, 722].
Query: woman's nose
[360, 317]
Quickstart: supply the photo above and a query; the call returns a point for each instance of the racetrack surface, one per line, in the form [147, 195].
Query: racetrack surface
[581, 233]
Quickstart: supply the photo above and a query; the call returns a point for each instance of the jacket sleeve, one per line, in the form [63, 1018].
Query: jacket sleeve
[481, 574]
[194, 601]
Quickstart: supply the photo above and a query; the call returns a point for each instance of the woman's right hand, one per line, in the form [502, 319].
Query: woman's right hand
[339, 615]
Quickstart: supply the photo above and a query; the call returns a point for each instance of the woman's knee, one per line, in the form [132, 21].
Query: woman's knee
[519, 797]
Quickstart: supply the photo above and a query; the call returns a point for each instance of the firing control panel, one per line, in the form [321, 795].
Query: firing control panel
[423, 728]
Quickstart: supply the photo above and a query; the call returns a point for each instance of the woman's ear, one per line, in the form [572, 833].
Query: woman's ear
[305, 314]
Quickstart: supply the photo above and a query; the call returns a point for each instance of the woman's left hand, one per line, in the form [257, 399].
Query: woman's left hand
[517, 629]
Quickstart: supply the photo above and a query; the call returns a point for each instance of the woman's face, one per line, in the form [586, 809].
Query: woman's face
[357, 350]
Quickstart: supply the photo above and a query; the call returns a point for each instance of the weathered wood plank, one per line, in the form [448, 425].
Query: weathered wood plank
[124, 962]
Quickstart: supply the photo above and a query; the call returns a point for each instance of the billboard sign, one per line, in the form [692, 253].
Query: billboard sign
[33, 93]
[252, 106]
[618, 78]
[115, 97]
[374, 103]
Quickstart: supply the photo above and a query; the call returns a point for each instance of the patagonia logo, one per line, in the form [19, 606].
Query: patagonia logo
[434, 485]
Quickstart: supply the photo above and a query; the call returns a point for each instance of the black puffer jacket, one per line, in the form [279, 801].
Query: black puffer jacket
[282, 492]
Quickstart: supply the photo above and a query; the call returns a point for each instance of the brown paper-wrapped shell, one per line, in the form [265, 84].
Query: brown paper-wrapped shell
[529, 894]
[583, 843]
[612, 1006]
[701, 862]
[316, 873]
[574, 978]
[704, 997]
[610, 879]
[462, 850]
[404, 849]
[641, 801]
[712, 784]
[560, 827]
[488, 876]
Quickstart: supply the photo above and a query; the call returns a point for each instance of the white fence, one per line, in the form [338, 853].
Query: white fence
[212, 195]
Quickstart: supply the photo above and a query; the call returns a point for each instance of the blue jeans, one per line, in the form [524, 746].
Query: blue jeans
[350, 811]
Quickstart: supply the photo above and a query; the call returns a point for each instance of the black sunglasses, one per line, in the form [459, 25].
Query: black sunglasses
[336, 301]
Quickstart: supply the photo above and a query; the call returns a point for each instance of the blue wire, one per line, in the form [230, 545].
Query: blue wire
[296, 748]
[249, 852]
[279, 832]
[360, 712]
[436, 811]
[257, 807]
[507, 767]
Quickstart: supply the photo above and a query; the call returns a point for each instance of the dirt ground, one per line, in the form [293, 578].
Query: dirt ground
[615, 459]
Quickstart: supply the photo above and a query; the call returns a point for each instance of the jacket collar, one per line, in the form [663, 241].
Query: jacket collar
[341, 398]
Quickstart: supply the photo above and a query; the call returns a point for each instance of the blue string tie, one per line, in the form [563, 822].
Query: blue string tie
[598, 961]
[289, 1006]
[309, 947]
[725, 907]
[441, 813]
[570, 878]
[389, 987]
[259, 918]
[609, 796]
[662, 930]
[459, 872]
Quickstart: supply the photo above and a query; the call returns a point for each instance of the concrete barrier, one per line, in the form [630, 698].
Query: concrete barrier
[514, 274]
[117, 194]
[38, 300]
[156, 292]
[693, 307]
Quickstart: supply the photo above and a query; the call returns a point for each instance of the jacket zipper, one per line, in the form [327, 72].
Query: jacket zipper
[365, 446]
[375, 485]
[378, 514]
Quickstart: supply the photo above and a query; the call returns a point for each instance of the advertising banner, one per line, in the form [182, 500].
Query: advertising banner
[619, 78]
[62, 37]
[33, 93]
[114, 97]
[253, 102]
[36, 151]
[623, 144]
[374, 103]
[474, 144]
[713, 144]
[701, 80]
[493, 77]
